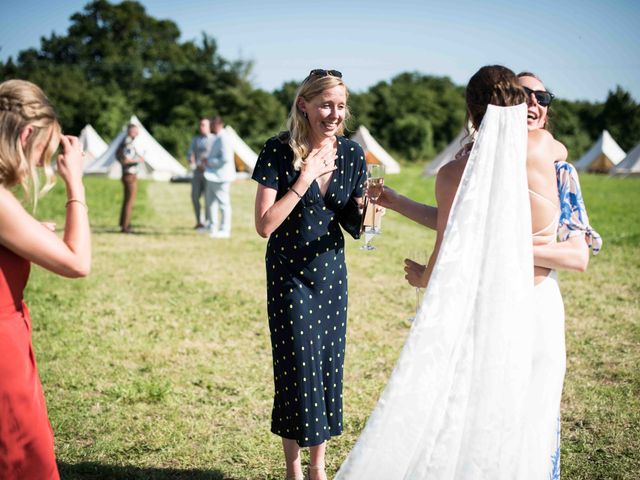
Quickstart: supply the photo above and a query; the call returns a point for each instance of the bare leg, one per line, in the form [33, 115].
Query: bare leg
[292, 458]
[316, 465]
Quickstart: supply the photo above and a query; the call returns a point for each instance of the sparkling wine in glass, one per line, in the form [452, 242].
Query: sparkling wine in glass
[373, 190]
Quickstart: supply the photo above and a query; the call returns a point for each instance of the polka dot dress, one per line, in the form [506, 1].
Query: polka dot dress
[307, 294]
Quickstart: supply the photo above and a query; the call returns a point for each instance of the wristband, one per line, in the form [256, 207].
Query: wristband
[293, 190]
[71, 200]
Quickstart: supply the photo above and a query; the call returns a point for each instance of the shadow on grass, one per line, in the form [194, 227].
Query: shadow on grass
[98, 471]
[144, 230]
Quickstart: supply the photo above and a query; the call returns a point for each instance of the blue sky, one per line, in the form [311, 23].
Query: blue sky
[580, 48]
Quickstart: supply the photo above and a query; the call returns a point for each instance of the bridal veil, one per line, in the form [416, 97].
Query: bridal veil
[455, 406]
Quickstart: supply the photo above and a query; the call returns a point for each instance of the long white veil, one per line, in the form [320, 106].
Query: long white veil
[454, 406]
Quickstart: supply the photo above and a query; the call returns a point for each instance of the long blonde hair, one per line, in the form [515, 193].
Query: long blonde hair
[298, 129]
[24, 104]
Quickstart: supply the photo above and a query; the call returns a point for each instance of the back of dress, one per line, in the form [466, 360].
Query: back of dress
[14, 273]
[454, 406]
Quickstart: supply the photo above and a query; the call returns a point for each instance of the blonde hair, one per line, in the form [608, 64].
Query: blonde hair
[24, 104]
[298, 129]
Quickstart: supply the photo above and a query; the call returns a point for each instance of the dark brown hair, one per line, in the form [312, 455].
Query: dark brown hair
[491, 85]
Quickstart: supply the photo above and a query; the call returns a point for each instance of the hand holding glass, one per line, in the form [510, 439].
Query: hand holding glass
[373, 190]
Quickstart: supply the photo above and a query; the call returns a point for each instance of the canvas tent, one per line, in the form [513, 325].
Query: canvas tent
[92, 144]
[630, 165]
[373, 151]
[158, 163]
[445, 156]
[244, 157]
[604, 154]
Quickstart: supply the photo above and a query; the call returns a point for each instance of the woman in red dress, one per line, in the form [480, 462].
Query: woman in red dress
[29, 136]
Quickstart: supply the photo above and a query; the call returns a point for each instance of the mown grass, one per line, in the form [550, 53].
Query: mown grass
[157, 366]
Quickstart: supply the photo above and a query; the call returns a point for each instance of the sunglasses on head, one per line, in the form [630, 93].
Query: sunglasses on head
[542, 96]
[323, 73]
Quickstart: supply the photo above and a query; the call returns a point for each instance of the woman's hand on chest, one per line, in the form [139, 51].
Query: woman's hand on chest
[319, 164]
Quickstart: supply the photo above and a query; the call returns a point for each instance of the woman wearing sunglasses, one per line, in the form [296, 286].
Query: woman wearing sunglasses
[476, 390]
[571, 253]
[574, 232]
[307, 177]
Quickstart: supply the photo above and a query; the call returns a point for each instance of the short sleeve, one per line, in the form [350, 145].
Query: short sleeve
[360, 168]
[266, 171]
[573, 215]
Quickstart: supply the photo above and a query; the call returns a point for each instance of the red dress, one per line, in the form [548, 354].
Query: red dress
[26, 438]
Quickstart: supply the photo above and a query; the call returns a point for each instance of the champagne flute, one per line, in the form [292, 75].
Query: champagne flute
[374, 187]
[373, 190]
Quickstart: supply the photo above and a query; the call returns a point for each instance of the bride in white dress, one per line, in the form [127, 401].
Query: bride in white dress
[476, 391]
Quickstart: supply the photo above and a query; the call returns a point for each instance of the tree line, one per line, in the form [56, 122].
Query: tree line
[116, 60]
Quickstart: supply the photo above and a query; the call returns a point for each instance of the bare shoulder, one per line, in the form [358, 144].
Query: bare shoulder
[11, 211]
[542, 146]
[8, 200]
[452, 171]
[449, 176]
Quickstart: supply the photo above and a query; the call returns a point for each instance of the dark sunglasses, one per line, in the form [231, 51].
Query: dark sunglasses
[543, 97]
[323, 73]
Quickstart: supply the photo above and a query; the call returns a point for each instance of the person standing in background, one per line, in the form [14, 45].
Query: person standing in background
[130, 155]
[219, 173]
[197, 159]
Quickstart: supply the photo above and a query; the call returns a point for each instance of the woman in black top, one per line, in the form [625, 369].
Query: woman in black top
[307, 176]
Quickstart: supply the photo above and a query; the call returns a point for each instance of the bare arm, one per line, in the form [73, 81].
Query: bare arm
[572, 254]
[24, 235]
[269, 213]
[421, 213]
[426, 215]
[447, 183]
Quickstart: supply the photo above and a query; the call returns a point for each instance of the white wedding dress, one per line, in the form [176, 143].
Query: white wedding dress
[462, 401]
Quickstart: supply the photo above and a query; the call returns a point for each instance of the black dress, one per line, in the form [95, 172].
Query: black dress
[307, 294]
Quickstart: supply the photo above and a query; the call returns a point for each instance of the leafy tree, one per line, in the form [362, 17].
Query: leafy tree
[571, 123]
[621, 116]
[412, 135]
[116, 60]
[286, 93]
[362, 110]
[434, 99]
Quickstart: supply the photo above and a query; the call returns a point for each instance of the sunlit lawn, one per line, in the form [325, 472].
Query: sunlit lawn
[158, 364]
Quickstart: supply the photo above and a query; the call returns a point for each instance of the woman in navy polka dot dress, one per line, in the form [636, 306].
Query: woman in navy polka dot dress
[307, 176]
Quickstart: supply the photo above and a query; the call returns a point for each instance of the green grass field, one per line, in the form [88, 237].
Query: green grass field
[157, 366]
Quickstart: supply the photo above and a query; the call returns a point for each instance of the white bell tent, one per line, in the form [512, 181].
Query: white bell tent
[244, 157]
[603, 155]
[158, 163]
[92, 144]
[445, 156]
[630, 165]
[374, 153]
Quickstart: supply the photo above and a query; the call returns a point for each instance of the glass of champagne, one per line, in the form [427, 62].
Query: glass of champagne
[373, 190]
